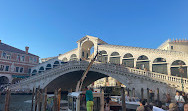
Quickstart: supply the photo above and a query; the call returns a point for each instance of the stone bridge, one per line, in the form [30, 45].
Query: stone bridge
[133, 66]
[66, 76]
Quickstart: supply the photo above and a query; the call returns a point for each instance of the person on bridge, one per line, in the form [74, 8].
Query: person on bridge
[89, 99]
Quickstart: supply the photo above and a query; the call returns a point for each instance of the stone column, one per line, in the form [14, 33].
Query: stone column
[150, 66]
[95, 48]
[120, 60]
[79, 51]
[135, 62]
[168, 69]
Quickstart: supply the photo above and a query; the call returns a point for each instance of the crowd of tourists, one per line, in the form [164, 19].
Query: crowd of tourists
[178, 103]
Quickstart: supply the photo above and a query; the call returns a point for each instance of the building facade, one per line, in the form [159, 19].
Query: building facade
[15, 64]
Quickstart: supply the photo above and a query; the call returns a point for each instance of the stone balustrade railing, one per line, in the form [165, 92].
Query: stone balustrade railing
[106, 67]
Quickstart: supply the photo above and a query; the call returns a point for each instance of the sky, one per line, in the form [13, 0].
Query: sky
[52, 27]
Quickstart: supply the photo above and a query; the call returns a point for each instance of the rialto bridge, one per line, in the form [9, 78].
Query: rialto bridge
[133, 66]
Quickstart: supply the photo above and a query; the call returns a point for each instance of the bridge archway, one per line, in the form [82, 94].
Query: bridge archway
[103, 56]
[142, 62]
[41, 69]
[4, 80]
[87, 49]
[73, 57]
[159, 65]
[65, 59]
[179, 68]
[115, 58]
[56, 63]
[34, 72]
[128, 60]
[48, 66]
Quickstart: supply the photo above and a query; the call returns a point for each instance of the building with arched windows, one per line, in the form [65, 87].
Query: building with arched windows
[15, 64]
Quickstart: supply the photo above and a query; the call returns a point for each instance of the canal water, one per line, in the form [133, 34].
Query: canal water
[17, 102]
[21, 102]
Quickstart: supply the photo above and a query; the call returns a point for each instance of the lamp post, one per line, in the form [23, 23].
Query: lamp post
[181, 71]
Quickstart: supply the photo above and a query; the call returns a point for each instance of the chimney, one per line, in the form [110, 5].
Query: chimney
[26, 49]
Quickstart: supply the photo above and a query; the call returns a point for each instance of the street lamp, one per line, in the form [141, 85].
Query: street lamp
[181, 71]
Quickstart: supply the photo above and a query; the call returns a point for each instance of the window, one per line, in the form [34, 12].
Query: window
[7, 68]
[82, 54]
[21, 69]
[1, 67]
[30, 59]
[4, 55]
[35, 59]
[22, 58]
[17, 69]
[172, 47]
[18, 58]
[9, 56]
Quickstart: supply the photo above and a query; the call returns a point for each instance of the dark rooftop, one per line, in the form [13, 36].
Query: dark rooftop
[9, 48]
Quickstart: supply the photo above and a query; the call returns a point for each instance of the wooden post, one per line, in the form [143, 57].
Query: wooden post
[33, 94]
[59, 98]
[133, 91]
[45, 100]
[36, 99]
[123, 99]
[142, 93]
[39, 99]
[148, 101]
[7, 100]
[55, 101]
[158, 99]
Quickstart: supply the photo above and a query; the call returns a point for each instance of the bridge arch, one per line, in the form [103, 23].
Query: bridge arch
[4, 80]
[103, 56]
[48, 66]
[142, 62]
[160, 65]
[73, 57]
[56, 63]
[34, 72]
[41, 69]
[87, 49]
[115, 58]
[128, 60]
[179, 68]
[64, 59]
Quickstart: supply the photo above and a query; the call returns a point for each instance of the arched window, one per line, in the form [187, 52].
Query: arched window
[65, 59]
[48, 66]
[128, 60]
[128, 55]
[142, 62]
[159, 60]
[115, 58]
[179, 68]
[56, 63]
[41, 69]
[103, 57]
[34, 72]
[73, 57]
[159, 65]
[142, 57]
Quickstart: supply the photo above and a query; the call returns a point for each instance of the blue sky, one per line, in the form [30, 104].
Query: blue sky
[52, 27]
